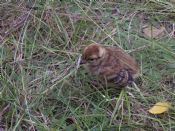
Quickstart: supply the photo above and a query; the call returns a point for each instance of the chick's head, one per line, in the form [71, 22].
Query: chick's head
[93, 54]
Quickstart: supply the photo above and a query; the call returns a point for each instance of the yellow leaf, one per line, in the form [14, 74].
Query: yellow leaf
[160, 107]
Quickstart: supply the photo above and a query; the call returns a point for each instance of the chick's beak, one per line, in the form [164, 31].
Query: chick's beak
[82, 62]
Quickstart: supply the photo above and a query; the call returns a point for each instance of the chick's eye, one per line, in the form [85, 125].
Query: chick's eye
[91, 59]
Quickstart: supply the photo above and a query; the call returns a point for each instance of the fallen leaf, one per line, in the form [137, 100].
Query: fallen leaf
[160, 107]
[153, 32]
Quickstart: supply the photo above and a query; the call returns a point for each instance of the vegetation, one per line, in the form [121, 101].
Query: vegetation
[42, 86]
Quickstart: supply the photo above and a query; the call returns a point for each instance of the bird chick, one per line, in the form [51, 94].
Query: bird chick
[110, 64]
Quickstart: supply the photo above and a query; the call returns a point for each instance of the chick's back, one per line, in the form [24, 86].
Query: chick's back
[117, 66]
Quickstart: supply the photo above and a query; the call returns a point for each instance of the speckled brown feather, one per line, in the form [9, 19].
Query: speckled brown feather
[110, 63]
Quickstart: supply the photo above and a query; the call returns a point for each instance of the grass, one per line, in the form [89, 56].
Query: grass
[42, 86]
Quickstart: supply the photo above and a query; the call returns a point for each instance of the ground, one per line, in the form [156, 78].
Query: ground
[42, 86]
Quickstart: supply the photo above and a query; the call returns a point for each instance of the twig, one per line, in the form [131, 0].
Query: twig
[3, 111]
[138, 49]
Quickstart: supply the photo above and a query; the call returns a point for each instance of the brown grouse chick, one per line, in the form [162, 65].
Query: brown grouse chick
[110, 64]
